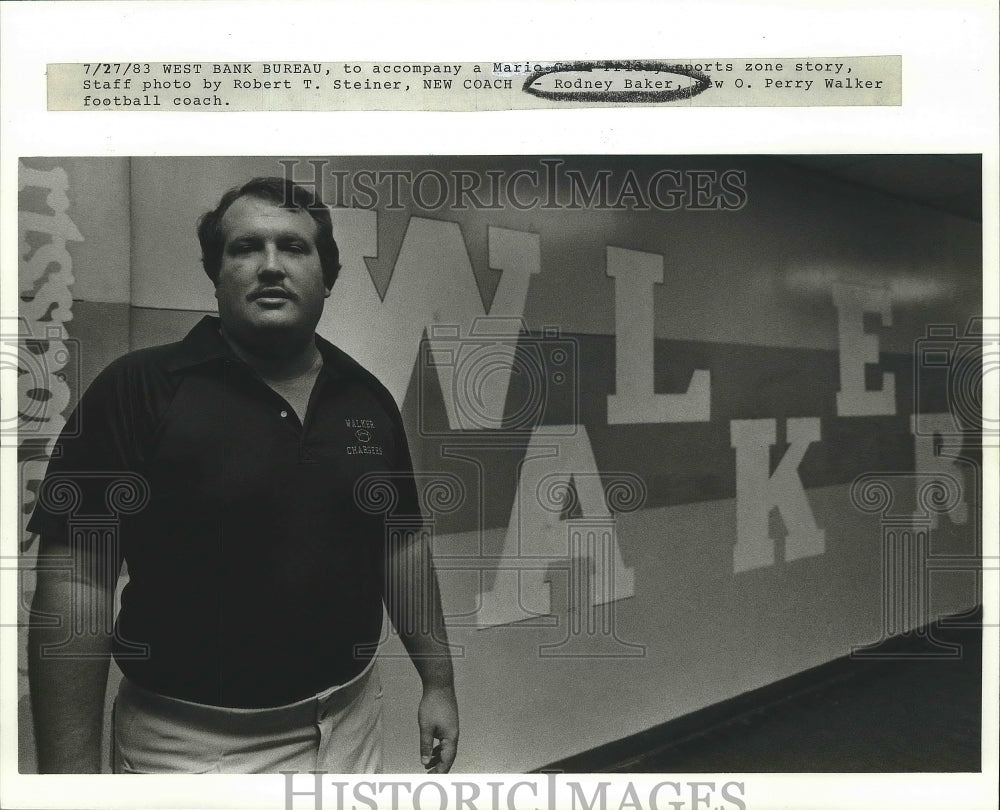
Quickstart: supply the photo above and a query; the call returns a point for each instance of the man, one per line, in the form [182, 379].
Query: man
[257, 570]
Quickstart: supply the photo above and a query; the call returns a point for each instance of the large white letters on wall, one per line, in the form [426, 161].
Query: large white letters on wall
[758, 491]
[538, 534]
[433, 290]
[634, 401]
[858, 348]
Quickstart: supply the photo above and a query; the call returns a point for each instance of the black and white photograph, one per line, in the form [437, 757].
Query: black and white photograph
[481, 477]
[655, 418]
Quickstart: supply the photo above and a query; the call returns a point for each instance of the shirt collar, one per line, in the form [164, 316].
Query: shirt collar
[204, 344]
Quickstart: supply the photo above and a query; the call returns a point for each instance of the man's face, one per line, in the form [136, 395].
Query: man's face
[270, 282]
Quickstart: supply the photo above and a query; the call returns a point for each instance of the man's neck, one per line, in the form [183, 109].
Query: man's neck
[279, 361]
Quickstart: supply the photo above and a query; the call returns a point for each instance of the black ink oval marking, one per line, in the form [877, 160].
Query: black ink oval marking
[702, 82]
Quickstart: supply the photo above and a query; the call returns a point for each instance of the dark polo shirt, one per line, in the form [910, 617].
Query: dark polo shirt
[254, 571]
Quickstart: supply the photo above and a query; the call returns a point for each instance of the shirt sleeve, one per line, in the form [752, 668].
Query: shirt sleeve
[94, 469]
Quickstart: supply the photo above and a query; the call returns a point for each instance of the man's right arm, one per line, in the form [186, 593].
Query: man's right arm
[69, 652]
[70, 638]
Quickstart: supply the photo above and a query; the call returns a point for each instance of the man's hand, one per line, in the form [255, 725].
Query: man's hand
[414, 605]
[438, 720]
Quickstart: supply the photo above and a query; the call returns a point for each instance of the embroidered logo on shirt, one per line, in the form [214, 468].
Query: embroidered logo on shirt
[364, 433]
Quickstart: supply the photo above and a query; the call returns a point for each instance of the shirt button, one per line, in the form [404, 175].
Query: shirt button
[284, 414]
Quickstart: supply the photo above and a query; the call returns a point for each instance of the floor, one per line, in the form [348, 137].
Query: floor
[913, 714]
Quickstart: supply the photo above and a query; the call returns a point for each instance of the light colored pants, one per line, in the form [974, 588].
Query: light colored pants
[337, 731]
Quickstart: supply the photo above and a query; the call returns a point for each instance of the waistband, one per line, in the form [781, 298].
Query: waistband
[224, 719]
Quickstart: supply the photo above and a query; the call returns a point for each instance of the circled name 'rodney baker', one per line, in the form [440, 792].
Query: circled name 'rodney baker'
[609, 85]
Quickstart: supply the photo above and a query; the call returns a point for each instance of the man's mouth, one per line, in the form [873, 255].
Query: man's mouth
[271, 295]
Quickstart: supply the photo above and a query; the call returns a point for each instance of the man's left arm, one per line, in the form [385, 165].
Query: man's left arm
[413, 602]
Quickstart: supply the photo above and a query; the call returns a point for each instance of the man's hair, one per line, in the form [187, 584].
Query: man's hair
[283, 193]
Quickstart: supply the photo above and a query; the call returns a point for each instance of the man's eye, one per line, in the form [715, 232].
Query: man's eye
[296, 248]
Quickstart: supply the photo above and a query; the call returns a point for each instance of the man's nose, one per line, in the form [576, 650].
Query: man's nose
[270, 263]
